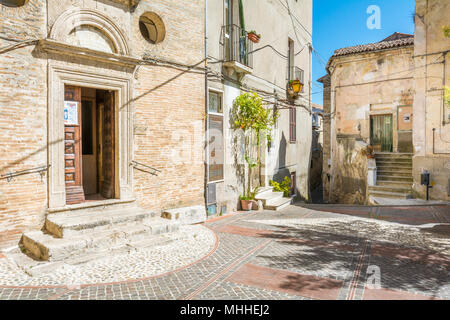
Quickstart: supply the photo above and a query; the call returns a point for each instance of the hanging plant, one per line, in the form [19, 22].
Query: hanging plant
[253, 36]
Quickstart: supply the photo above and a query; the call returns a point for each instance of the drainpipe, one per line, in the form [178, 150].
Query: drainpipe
[206, 107]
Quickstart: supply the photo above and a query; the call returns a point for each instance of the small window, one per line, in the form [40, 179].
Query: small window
[152, 27]
[215, 102]
[13, 3]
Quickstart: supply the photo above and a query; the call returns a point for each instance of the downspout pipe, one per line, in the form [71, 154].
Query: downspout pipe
[206, 106]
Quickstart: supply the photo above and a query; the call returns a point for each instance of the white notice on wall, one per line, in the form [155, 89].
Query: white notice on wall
[70, 113]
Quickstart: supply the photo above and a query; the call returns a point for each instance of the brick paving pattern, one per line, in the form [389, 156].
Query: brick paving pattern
[313, 252]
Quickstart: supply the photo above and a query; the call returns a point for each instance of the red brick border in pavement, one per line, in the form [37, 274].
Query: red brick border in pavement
[288, 282]
[249, 232]
[2, 255]
[386, 294]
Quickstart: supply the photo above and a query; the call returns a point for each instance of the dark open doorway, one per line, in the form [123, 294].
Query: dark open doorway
[90, 144]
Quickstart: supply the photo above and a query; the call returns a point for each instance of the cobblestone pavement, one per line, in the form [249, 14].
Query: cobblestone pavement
[302, 252]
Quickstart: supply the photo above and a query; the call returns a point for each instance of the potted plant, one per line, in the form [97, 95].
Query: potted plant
[253, 36]
[246, 203]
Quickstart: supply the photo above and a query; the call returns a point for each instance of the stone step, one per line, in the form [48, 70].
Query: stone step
[46, 247]
[71, 223]
[386, 194]
[34, 267]
[382, 177]
[392, 168]
[269, 198]
[388, 160]
[263, 191]
[389, 155]
[186, 215]
[279, 204]
[402, 184]
[390, 188]
[402, 173]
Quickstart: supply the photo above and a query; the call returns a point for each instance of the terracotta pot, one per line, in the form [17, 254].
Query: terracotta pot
[246, 205]
[253, 37]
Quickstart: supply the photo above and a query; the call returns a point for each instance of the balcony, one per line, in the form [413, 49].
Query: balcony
[237, 49]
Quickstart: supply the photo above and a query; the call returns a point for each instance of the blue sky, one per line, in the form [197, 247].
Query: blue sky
[343, 23]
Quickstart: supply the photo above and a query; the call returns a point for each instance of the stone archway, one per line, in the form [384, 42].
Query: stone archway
[75, 18]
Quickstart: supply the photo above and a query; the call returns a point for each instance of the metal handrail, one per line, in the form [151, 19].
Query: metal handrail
[11, 175]
[134, 163]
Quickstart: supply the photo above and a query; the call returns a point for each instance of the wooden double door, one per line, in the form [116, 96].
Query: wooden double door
[100, 141]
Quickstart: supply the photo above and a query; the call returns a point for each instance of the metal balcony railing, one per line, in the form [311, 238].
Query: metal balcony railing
[236, 46]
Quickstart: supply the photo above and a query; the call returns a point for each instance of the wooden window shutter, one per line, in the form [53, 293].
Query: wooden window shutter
[292, 124]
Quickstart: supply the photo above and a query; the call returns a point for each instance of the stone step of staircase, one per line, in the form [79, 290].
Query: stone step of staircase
[43, 246]
[398, 173]
[392, 155]
[272, 200]
[186, 215]
[390, 188]
[400, 161]
[401, 184]
[34, 267]
[269, 197]
[386, 194]
[279, 204]
[394, 166]
[382, 177]
[72, 223]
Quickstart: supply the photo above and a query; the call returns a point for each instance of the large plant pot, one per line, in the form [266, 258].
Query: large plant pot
[246, 205]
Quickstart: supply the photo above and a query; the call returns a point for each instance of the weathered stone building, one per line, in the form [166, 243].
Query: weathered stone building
[431, 131]
[102, 104]
[396, 105]
[368, 99]
[238, 65]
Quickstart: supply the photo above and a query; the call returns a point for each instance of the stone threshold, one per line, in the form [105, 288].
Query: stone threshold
[93, 204]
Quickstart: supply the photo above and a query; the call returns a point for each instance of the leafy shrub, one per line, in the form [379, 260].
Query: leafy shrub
[284, 186]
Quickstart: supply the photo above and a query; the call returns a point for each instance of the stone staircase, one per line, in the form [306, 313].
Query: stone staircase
[394, 176]
[86, 232]
[272, 200]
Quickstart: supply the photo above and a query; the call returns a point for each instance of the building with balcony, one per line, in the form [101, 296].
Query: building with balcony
[268, 64]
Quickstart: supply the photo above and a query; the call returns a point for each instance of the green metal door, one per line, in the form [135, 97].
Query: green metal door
[381, 133]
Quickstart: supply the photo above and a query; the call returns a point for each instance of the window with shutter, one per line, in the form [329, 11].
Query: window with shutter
[292, 125]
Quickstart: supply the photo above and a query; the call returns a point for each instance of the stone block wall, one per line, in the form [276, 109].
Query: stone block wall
[349, 181]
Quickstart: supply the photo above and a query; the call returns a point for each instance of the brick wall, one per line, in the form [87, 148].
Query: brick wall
[23, 120]
[168, 100]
